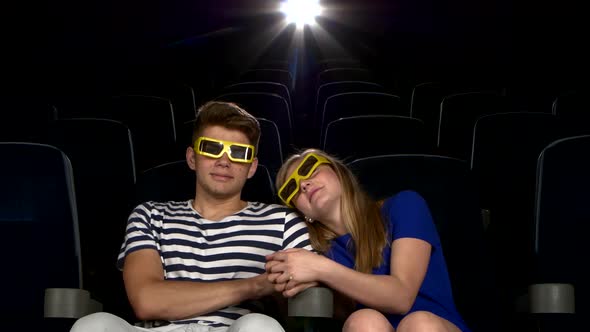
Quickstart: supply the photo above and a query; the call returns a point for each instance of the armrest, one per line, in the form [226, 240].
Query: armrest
[69, 303]
[312, 302]
[552, 298]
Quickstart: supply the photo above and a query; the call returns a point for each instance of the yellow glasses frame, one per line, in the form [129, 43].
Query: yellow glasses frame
[295, 176]
[227, 149]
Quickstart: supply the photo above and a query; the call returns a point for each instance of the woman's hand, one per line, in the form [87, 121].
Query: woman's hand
[293, 270]
[296, 264]
[294, 288]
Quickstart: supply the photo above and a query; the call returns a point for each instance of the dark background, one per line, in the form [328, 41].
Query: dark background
[59, 40]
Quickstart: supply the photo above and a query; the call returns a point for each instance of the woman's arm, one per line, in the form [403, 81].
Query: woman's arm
[394, 293]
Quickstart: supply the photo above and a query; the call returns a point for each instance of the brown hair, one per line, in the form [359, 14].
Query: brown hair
[228, 115]
[361, 216]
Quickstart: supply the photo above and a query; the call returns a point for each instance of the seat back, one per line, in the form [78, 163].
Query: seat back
[344, 74]
[504, 158]
[147, 81]
[562, 215]
[265, 87]
[427, 96]
[150, 119]
[39, 220]
[356, 137]
[334, 88]
[458, 114]
[270, 151]
[101, 153]
[360, 103]
[504, 155]
[425, 105]
[269, 75]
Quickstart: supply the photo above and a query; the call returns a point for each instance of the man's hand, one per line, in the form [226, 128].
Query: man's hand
[261, 286]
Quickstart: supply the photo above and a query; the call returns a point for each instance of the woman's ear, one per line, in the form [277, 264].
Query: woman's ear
[191, 158]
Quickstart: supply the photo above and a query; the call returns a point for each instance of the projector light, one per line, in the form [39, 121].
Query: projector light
[301, 12]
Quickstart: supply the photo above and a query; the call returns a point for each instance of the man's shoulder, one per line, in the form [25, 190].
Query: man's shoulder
[168, 207]
[259, 206]
[268, 211]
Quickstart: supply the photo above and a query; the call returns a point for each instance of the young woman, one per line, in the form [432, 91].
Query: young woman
[385, 256]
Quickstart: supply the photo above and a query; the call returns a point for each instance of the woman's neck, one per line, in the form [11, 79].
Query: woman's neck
[335, 223]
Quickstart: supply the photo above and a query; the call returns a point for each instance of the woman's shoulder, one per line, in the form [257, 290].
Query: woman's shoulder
[408, 215]
[402, 198]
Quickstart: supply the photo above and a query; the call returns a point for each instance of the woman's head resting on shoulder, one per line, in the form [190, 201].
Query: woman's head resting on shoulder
[312, 183]
[326, 193]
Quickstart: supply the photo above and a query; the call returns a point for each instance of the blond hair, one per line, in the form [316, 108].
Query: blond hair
[361, 216]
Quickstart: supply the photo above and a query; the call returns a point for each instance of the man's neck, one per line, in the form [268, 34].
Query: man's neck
[216, 209]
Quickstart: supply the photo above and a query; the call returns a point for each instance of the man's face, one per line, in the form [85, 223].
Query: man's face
[221, 178]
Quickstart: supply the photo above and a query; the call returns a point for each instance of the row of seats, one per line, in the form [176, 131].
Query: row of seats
[44, 206]
[448, 116]
[404, 135]
[461, 149]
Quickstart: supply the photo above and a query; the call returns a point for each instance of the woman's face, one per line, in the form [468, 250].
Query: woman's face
[319, 195]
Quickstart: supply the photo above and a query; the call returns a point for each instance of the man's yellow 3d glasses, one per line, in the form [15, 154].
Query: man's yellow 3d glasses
[305, 169]
[214, 148]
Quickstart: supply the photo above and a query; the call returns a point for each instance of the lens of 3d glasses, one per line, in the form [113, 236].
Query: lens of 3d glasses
[303, 170]
[216, 148]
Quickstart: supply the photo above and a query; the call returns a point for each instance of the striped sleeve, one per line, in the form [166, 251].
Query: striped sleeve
[138, 234]
[295, 234]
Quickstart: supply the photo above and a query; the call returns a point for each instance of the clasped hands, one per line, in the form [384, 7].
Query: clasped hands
[292, 270]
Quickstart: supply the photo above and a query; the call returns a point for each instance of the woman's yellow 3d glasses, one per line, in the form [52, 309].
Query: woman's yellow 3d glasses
[305, 169]
[214, 148]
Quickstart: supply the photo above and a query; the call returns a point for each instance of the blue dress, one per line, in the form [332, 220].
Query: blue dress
[409, 217]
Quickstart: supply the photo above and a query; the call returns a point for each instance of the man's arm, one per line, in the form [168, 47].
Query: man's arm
[153, 297]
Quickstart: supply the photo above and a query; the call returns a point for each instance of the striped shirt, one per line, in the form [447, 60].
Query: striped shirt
[196, 249]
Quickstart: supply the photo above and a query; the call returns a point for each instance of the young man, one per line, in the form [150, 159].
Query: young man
[196, 264]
